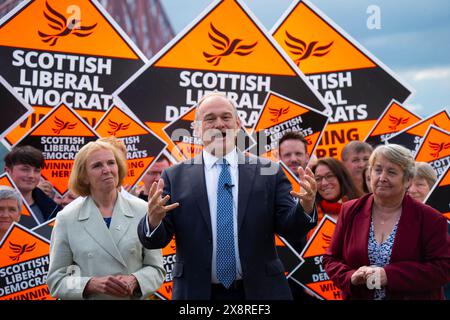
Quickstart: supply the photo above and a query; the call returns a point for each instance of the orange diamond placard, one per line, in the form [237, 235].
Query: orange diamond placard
[394, 119]
[24, 261]
[352, 81]
[64, 51]
[311, 273]
[435, 149]
[143, 147]
[59, 135]
[280, 115]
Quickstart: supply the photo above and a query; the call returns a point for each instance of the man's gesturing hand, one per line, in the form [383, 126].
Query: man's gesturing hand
[307, 194]
[157, 208]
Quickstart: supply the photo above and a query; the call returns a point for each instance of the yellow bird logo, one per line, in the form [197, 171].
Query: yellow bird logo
[226, 46]
[64, 26]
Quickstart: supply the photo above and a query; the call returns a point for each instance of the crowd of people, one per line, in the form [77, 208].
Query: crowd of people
[224, 214]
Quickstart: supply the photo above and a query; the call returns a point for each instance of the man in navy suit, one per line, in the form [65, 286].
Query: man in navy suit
[225, 208]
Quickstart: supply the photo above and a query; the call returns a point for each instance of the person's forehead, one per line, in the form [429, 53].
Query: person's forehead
[100, 154]
[385, 162]
[292, 145]
[8, 203]
[24, 165]
[361, 154]
[323, 168]
[215, 104]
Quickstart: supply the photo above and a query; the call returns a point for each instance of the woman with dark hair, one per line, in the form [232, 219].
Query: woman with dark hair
[334, 186]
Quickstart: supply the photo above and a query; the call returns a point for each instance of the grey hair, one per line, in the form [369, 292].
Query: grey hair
[355, 146]
[215, 94]
[8, 193]
[396, 154]
[425, 170]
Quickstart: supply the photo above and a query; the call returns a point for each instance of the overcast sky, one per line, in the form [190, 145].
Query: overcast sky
[414, 39]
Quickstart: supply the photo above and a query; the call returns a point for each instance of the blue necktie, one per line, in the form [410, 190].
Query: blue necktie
[226, 261]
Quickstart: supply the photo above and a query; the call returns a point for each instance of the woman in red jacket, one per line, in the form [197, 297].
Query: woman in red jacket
[387, 245]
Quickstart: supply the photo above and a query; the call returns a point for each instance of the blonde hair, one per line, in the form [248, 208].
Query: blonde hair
[117, 143]
[425, 170]
[78, 178]
[396, 154]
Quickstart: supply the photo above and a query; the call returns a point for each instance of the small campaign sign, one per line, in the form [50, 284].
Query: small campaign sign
[59, 135]
[435, 149]
[310, 273]
[24, 261]
[394, 119]
[280, 115]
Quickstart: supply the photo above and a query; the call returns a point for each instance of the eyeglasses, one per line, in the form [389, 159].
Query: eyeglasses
[329, 177]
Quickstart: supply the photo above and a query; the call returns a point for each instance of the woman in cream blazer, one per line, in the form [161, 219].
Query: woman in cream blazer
[95, 252]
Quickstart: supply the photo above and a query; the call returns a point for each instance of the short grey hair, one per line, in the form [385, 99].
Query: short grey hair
[396, 154]
[425, 170]
[215, 94]
[8, 193]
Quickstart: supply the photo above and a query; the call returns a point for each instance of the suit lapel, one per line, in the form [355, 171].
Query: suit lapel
[95, 226]
[197, 177]
[361, 225]
[121, 217]
[405, 227]
[247, 173]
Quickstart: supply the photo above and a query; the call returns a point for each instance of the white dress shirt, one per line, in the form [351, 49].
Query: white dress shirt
[212, 172]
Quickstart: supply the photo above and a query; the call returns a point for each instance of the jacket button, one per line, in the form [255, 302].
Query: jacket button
[90, 255]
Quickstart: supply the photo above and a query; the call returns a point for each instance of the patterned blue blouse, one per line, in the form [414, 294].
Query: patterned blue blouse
[380, 254]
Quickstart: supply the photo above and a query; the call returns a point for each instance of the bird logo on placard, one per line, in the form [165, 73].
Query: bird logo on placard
[19, 250]
[115, 126]
[327, 239]
[397, 121]
[277, 113]
[64, 26]
[438, 147]
[62, 125]
[226, 46]
[303, 50]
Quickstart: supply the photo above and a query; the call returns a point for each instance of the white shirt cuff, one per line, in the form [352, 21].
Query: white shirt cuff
[147, 232]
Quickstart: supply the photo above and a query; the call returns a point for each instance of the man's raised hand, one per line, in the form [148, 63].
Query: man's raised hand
[157, 208]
